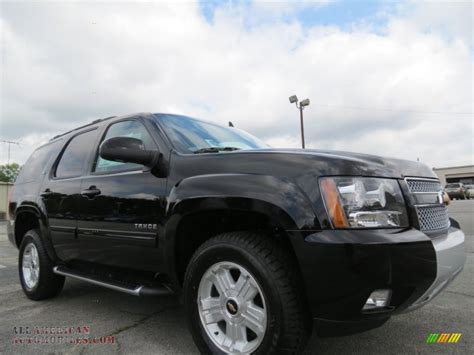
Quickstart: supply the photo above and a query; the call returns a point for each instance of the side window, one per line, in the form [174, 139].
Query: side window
[132, 129]
[74, 156]
[38, 162]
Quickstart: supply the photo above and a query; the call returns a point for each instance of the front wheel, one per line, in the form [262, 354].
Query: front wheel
[241, 296]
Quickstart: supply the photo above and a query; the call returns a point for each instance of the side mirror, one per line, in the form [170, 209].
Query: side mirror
[126, 150]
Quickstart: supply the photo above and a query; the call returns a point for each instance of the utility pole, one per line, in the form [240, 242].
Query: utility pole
[300, 106]
[9, 145]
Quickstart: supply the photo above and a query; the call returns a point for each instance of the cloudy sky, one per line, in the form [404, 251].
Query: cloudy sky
[385, 78]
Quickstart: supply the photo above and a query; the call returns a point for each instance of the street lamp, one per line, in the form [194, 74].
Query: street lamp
[300, 106]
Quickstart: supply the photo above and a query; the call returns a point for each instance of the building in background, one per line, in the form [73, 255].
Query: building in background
[464, 174]
[5, 188]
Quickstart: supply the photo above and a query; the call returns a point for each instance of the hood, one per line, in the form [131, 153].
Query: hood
[331, 162]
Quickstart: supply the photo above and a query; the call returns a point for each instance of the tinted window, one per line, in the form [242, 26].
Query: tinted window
[132, 129]
[74, 156]
[38, 162]
[190, 135]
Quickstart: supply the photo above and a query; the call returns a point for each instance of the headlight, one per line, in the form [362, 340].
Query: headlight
[359, 202]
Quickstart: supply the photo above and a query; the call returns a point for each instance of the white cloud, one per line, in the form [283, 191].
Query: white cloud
[66, 64]
[450, 19]
[283, 8]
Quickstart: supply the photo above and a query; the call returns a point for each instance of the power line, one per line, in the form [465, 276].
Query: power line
[9, 144]
[395, 110]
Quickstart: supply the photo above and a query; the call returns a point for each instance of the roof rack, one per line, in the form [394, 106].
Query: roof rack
[89, 124]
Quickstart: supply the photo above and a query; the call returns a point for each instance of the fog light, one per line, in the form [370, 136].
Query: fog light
[377, 299]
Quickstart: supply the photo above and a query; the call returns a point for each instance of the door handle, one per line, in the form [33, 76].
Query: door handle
[46, 193]
[90, 192]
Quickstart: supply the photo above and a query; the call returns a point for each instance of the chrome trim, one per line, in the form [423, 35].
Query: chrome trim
[62, 229]
[425, 216]
[134, 292]
[421, 179]
[131, 236]
[131, 233]
[428, 209]
[433, 180]
[430, 205]
[424, 193]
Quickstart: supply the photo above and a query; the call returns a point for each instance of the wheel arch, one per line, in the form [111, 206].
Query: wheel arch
[30, 217]
[202, 207]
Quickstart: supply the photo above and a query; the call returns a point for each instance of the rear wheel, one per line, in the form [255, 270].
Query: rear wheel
[36, 269]
[241, 296]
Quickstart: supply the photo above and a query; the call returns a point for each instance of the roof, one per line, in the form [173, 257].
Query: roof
[87, 125]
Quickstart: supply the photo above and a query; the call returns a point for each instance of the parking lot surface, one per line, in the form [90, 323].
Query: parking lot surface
[144, 326]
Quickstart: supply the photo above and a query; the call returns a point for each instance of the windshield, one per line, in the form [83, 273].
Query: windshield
[189, 135]
[452, 186]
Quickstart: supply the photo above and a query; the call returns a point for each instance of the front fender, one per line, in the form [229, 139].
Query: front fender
[283, 195]
[282, 202]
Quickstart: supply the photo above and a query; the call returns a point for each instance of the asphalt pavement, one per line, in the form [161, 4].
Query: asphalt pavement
[113, 322]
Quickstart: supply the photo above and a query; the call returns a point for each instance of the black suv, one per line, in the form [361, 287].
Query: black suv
[259, 243]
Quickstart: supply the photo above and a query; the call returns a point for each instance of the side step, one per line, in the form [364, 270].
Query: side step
[131, 289]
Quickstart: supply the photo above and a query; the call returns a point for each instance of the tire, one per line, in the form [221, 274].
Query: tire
[44, 283]
[271, 273]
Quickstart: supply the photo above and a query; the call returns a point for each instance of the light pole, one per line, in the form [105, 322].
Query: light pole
[300, 106]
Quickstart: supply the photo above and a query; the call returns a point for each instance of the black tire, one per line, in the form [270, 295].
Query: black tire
[49, 284]
[275, 270]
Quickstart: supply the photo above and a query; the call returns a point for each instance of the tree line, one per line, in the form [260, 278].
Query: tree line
[9, 172]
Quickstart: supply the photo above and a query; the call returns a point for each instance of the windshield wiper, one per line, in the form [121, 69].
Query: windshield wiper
[215, 150]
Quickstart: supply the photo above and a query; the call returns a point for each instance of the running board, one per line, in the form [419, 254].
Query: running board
[131, 289]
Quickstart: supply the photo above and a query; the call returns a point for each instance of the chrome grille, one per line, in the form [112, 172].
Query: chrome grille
[417, 186]
[432, 218]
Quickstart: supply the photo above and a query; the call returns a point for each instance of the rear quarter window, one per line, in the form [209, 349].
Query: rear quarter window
[39, 162]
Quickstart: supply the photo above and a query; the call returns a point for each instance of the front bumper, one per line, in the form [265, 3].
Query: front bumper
[341, 268]
[450, 257]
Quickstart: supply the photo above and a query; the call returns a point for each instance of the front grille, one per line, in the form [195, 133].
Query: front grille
[417, 186]
[432, 218]
[431, 214]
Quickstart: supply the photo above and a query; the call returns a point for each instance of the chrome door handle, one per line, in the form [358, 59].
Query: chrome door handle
[90, 192]
[46, 193]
